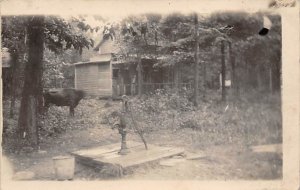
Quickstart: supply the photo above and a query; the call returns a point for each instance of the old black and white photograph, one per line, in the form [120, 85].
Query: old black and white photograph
[142, 96]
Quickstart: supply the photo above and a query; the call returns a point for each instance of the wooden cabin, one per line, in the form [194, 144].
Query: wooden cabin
[107, 75]
[104, 76]
[95, 76]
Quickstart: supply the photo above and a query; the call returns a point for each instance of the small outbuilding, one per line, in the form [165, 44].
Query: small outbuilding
[95, 76]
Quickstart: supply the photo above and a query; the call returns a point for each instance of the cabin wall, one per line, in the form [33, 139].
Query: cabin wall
[94, 78]
[105, 79]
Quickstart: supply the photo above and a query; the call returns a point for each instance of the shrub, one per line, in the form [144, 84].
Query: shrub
[243, 122]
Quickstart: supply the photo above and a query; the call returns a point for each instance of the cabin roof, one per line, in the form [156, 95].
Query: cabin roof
[110, 58]
[97, 59]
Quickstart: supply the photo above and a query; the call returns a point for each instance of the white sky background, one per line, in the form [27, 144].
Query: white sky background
[116, 9]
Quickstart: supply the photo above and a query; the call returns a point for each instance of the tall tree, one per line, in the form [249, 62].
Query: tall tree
[234, 82]
[196, 74]
[223, 70]
[248, 47]
[32, 90]
[175, 37]
[55, 33]
[14, 74]
[14, 38]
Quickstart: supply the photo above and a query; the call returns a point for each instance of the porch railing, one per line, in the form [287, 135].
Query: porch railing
[132, 89]
[151, 87]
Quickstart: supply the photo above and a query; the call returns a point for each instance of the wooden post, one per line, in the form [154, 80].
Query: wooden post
[196, 71]
[223, 71]
[139, 72]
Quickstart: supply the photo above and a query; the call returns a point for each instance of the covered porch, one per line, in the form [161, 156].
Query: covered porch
[125, 77]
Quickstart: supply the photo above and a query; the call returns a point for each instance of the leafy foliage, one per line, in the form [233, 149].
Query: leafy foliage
[65, 37]
[215, 124]
[59, 33]
[58, 68]
[62, 34]
[13, 33]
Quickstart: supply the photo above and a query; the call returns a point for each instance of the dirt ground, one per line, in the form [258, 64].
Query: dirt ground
[222, 162]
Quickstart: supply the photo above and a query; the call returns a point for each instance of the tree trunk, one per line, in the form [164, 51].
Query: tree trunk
[31, 94]
[234, 82]
[196, 71]
[232, 61]
[204, 79]
[14, 76]
[259, 80]
[277, 76]
[270, 80]
[139, 72]
[223, 71]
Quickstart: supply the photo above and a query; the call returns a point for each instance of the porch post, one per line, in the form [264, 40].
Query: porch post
[139, 72]
[176, 77]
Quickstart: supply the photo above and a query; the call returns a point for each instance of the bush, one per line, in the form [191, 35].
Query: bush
[161, 108]
[243, 122]
[212, 122]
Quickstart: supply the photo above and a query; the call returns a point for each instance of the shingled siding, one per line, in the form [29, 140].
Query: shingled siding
[94, 78]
